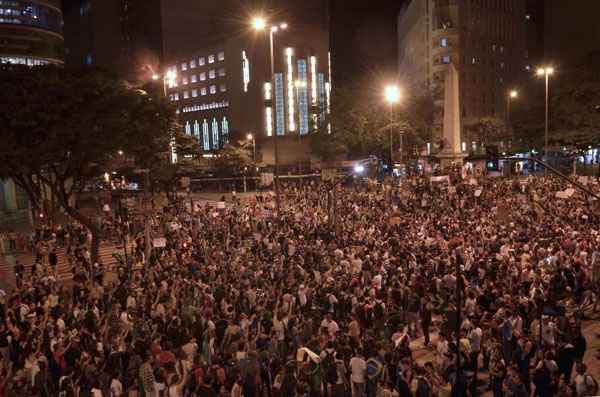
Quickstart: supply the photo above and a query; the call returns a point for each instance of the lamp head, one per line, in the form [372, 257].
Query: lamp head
[249, 137]
[514, 94]
[259, 23]
[392, 93]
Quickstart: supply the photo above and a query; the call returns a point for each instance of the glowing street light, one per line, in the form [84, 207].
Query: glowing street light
[513, 94]
[250, 137]
[392, 96]
[259, 23]
[546, 72]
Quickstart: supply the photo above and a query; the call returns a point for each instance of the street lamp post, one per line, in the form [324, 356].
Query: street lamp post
[546, 72]
[259, 24]
[512, 94]
[250, 137]
[392, 96]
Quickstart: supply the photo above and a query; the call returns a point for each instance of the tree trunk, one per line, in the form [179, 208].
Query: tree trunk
[89, 224]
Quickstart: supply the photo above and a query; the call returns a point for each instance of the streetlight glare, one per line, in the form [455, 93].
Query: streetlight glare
[392, 93]
[259, 23]
[359, 168]
[514, 94]
[284, 25]
[155, 77]
[549, 70]
[249, 137]
[541, 71]
[274, 28]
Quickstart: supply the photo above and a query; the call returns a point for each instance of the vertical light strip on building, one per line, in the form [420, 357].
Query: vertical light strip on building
[205, 136]
[215, 133]
[313, 80]
[268, 109]
[289, 52]
[303, 96]
[328, 102]
[321, 91]
[225, 130]
[245, 71]
[279, 105]
[329, 66]
[197, 130]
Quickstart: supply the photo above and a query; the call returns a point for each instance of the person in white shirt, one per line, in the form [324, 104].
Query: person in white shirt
[358, 368]
[330, 324]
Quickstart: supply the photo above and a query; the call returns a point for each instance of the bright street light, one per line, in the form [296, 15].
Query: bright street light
[392, 94]
[546, 72]
[283, 26]
[120, 152]
[259, 23]
[155, 77]
[249, 137]
[514, 94]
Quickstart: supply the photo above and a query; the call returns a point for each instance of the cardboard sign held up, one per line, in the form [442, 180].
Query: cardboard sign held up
[159, 242]
[395, 220]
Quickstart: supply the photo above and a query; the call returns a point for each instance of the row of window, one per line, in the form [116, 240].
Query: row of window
[30, 14]
[205, 138]
[195, 92]
[205, 106]
[212, 74]
[24, 61]
[202, 61]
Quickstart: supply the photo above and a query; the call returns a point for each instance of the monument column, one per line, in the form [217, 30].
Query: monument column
[451, 136]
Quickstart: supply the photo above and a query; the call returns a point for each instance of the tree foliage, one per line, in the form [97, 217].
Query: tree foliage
[361, 122]
[65, 128]
[574, 112]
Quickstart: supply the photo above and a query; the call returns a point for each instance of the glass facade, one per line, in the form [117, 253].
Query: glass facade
[205, 136]
[26, 13]
[303, 96]
[215, 133]
[279, 105]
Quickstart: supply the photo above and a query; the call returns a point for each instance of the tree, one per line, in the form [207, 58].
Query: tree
[65, 128]
[574, 119]
[488, 130]
[233, 158]
[361, 123]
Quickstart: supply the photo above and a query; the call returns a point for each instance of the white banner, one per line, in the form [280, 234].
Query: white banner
[159, 242]
[443, 178]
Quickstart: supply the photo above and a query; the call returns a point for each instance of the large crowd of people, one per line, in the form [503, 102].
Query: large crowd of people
[423, 289]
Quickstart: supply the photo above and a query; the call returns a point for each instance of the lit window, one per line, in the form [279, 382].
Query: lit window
[194, 78]
[221, 56]
[193, 64]
[184, 66]
[245, 71]
[203, 91]
[188, 128]
[444, 42]
[202, 76]
[279, 105]
[446, 59]
[205, 136]
[201, 61]
[184, 81]
[474, 60]
[212, 74]
[303, 96]
[501, 49]
[213, 89]
[494, 47]
[223, 88]
[186, 94]
[197, 130]
[211, 59]
[221, 72]
[176, 96]
[194, 93]
[527, 17]
[215, 133]
[225, 129]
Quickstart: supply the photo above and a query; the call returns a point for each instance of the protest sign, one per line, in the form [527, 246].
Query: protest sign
[159, 242]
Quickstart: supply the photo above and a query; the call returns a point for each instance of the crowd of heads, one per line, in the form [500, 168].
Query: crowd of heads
[416, 289]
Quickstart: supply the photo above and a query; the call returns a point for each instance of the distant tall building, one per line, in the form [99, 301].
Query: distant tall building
[134, 37]
[224, 91]
[485, 40]
[31, 32]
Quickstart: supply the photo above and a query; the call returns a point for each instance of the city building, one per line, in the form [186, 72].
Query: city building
[32, 35]
[223, 91]
[485, 40]
[31, 32]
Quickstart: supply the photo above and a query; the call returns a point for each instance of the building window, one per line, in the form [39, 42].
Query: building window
[225, 129]
[501, 65]
[201, 61]
[279, 105]
[494, 47]
[474, 60]
[184, 80]
[205, 136]
[213, 89]
[188, 128]
[193, 64]
[194, 93]
[446, 59]
[212, 74]
[245, 71]
[223, 88]
[221, 56]
[211, 59]
[321, 89]
[215, 133]
[202, 76]
[186, 94]
[88, 59]
[501, 48]
[194, 78]
[176, 96]
[444, 42]
[221, 72]
[203, 91]
[184, 66]
[197, 131]
[303, 96]
[289, 52]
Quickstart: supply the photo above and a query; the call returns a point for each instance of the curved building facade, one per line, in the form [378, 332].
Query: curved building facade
[31, 32]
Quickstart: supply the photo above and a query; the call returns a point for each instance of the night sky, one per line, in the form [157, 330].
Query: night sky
[363, 38]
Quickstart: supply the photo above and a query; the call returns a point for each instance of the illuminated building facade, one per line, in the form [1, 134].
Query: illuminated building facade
[224, 91]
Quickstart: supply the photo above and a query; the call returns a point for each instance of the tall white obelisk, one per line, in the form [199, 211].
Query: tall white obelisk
[451, 152]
